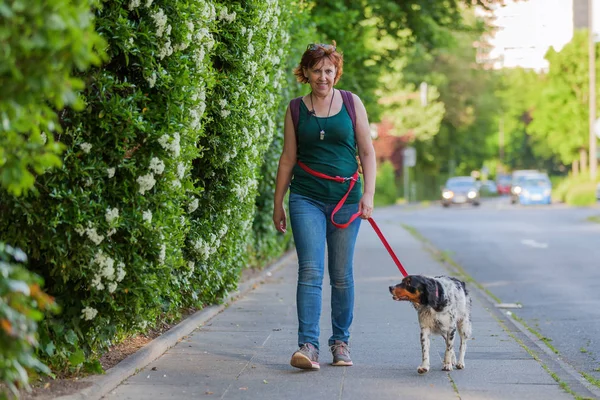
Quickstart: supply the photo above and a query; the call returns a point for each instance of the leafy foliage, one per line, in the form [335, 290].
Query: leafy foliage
[22, 304]
[41, 43]
[153, 208]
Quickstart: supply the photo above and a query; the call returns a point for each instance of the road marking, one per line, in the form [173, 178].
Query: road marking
[533, 243]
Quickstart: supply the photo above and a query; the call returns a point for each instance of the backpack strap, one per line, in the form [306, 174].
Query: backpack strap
[349, 103]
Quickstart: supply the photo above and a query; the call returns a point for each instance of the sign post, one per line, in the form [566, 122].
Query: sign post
[409, 156]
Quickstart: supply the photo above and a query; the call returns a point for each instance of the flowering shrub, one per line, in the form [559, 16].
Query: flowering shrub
[41, 43]
[153, 208]
[21, 306]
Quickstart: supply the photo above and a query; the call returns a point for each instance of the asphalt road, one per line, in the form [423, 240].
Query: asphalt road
[546, 258]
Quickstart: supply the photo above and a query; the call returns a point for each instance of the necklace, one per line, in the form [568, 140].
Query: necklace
[322, 130]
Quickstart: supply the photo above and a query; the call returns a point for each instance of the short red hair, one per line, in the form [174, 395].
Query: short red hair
[314, 54]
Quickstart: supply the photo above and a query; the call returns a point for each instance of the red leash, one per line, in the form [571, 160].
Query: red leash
[353, 179]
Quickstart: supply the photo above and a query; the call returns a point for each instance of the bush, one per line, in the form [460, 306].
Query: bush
[385, 186]
[581, 194]
[575, 190]
[41, 43]
[153, 208]
[21, 306]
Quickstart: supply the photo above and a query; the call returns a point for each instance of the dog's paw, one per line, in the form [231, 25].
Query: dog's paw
[447, 367]
[460, 366]
[422, 370]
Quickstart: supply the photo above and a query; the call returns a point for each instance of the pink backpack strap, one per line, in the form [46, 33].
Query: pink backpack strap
[349, 103]
[295, 110]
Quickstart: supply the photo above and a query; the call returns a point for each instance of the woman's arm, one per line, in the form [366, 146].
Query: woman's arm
[284, 172]
[366, 153]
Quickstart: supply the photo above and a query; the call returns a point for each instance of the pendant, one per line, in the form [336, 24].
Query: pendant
[322, 135]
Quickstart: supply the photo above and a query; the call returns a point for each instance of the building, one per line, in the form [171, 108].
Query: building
[524, 30]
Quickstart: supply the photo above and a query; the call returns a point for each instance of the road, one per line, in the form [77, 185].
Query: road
[546, 258]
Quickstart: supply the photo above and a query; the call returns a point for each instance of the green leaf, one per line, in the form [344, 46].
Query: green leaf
[77, 358]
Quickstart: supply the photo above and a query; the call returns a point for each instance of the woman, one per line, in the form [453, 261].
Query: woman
[326, 142]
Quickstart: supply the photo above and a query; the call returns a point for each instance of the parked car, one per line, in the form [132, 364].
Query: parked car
[503, 184]
[598, 192]
[534, 189]
[518, 177]
[460, 190]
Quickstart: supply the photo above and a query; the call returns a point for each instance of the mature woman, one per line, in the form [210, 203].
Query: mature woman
[323, 138]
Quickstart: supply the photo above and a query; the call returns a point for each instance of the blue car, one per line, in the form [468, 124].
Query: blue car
[534, 190]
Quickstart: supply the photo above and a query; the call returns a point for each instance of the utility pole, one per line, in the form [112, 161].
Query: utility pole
[592, 100]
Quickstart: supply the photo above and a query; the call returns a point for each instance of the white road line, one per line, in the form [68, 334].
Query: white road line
[533, 243]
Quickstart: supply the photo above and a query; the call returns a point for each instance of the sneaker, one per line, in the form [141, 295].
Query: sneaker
[341, 354]
[306, 357]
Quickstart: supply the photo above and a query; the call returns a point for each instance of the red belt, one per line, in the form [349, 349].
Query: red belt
[353, 179]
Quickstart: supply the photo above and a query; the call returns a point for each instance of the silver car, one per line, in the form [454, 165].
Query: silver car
[460, 190]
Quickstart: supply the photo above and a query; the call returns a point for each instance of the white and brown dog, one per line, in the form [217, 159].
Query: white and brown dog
[443, 305]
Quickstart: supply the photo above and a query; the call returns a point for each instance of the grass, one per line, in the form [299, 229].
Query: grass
[594, 218]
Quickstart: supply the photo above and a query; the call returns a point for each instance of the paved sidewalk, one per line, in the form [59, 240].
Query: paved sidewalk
[244, 352]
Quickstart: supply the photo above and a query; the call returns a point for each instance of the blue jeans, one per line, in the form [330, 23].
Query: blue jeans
[312, 228]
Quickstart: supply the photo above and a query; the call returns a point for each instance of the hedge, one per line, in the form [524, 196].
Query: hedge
[156, 206]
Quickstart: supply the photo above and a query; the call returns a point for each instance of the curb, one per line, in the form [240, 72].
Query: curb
[103, 384]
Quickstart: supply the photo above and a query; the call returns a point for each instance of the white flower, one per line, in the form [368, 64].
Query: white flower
[110, 172]
[97, 282]
[173, 146]
[157, 166]
[147, 216]
[146, 183]
[193, 206]
[120, 272]
[223, 230]
[134, 4]
[223, 103]
[111, 232]
[160, 20]
[89, 313]
[148, 3]
[225, 113]
[152, 79]
[80, 230]
[94, 236]
[44, 137]
[88, 182]
[112, 287]
[163, 254]
[86, 147]
[111, 214]
[180, 170]
[176, 184]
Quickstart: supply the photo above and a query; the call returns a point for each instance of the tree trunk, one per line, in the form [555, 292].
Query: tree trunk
[583, 160]
[575, 167]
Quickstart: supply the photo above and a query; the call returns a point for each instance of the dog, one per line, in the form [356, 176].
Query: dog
[443, 305]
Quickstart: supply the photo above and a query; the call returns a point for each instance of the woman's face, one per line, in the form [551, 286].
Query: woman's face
[321, 76]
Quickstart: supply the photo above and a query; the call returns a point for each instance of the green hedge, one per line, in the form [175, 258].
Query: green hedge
[385, 190]
[153, 209]
[22, 304]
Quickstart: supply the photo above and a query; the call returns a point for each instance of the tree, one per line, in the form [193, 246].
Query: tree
[560, 118]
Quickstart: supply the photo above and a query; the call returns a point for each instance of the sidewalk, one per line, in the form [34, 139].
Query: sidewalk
[244, 352]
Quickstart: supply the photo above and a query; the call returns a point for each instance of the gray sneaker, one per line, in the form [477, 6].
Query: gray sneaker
[341, 354]
[306, 357]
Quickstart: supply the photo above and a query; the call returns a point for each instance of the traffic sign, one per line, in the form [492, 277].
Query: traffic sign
[410, 156]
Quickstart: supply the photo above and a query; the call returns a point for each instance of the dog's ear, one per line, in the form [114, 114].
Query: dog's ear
[435, 294]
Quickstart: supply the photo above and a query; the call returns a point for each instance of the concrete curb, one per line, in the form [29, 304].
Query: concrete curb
[103, 384]
[554, 363]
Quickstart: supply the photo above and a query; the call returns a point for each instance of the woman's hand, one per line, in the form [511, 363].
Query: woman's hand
[280, 219]
[365, 206]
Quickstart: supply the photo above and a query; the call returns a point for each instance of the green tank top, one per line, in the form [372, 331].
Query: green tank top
[335, 155]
